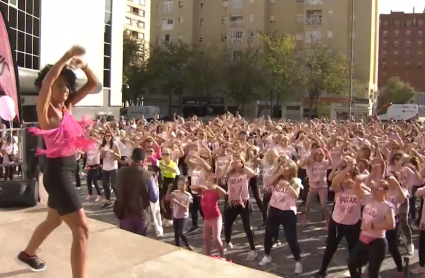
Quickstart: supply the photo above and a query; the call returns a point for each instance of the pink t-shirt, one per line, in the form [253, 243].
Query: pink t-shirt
[392, 197]
[221, 164]
[197, 177]
[407, 178]
[336, 155]
[180, 212]
[317, 174]
[281, 199]
[268, 172]
[237, 191]
[348, 206]
[209, 204]
[375, 211]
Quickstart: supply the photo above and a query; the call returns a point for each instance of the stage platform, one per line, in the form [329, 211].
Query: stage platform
[113, 253]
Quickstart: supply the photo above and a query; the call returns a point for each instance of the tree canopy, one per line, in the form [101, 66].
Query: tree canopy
[396, 92]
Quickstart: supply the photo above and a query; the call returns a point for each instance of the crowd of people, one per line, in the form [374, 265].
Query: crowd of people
[173, 172]
[371, 171]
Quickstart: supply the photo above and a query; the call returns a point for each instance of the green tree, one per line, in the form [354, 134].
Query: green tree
[242, 74]
[135, 54]
[280, 66]
[396, 92]
[204, 70]
[167, 66]
[325, 71]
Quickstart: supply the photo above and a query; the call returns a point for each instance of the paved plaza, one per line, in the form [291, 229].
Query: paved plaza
[311, 238]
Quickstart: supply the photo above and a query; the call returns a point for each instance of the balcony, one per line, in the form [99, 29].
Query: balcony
[236, 4]
[236, 21]
[314, 20]
[314, 2]
[236, 41]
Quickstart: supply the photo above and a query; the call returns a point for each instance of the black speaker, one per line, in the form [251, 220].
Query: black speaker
[19, 193]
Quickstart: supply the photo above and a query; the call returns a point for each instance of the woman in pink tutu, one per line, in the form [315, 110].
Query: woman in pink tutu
[63, 135]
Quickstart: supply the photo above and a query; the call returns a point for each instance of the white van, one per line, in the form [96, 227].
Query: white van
[398, 112]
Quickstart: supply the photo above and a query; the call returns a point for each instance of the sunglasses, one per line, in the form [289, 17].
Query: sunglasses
[166, 154]
[149, 151]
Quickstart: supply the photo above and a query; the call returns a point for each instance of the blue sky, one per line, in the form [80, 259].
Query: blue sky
[386, 6]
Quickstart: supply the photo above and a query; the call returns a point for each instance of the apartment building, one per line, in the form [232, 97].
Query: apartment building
[236, 23]
[137, 19]
[40, 35]
[401, 51]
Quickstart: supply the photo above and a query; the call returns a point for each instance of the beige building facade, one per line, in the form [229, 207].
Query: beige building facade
[236, 24]
[138, 19]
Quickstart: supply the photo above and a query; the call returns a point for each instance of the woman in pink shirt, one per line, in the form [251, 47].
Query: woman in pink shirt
[377, 218]
[283, 211]
[345, 219]
[317, 166]
[420, 193]
[238, 176]
[210, 194]
[180, 200]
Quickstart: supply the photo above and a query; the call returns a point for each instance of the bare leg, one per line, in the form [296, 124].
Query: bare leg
[43, 230]
[77, 222]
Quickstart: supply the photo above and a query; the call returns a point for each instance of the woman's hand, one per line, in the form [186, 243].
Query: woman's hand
[76, 51]
[77, 63]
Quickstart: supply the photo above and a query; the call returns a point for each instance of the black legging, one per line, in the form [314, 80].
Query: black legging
[288, 220]
[231, 212]
[92, 178]
[266, 200]
[253, 184]
[391, 237]
[422, 249]
[108, 181]
[77, 175]
[373, 253]
[336, 232]
[179, 226]
[164, 204]
[195, 207]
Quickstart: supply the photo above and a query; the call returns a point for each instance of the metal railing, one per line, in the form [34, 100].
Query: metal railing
[314, 20]
[236, 23]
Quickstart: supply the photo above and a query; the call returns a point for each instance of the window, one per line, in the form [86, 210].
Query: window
[395, 43]
[420, 34]
[330, 13]
[397, 23]
[180, 19]
[225, 3]
[141, 36]
[409, 23]
[167, 7]
[408, 33]
[141, 24]
[24, 23]
[142, 2]
[300, 18]
[141, 12]
[167, 37]
[201, 20]
[408, 44]
[224, 19]
[395, 54]
[407, 54]
[419, 65]
[420, 43]
[128, 9]
[236, 4]
[313, 36]
[384, 53]
[128, 21]
[385, 43]
[396, 33]
[251, 17]
[168, 21]
[272, 1]
[330, 34]
[420, 23]
[272, 18]
[251, 1]
[179, 37]
[201, 39]
[223, 38]
[299, 36]
[107, 45]
[180, 4]
[385, 33]
[201, 5]
[385, 23]
[407, 65]
[420, 52]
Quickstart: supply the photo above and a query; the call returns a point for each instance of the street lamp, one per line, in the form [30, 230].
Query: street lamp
[350, 93]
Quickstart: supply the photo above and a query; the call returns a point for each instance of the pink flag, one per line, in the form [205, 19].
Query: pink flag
[7, 68]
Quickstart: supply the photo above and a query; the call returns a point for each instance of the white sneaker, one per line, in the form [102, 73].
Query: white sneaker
[418, 270]
[227, 246]
[160, 235]
[168, 223]
[251, 255]
[366, 271]
[98, 199]
[298, 268]
[265, 261]
[88, 197]
[411, 249]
